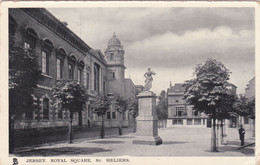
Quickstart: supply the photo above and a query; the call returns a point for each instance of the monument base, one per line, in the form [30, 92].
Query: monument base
[148, 140]
[147, 121]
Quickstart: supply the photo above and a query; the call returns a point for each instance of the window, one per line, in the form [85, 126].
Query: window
[79, 75]
[189, 121]
[29, 39]
[177, 122]
[71, 72]
[195, 113]
[112, 56]
[26, 45]
[197, 121]
[87, 80]
[179, 111]
[46, 53]
[59, 69]
[113, 115]
[108, 115]
[113, 75]
[177, 101]
[45, 62]
[45, 108]
[96, 77]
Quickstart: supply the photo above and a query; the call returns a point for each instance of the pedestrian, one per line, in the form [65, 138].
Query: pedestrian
[242, 132]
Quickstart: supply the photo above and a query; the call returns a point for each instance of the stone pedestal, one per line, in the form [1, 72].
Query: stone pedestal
[147, 125]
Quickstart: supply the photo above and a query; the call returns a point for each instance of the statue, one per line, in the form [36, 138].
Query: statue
[149, 79]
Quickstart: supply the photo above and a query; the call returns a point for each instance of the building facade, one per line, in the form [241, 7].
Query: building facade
[63, 55]
[179, 113]
[249, 94]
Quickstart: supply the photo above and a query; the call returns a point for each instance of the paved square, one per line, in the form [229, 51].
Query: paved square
[176, 142]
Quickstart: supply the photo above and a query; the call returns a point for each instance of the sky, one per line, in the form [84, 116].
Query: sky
[171, 41]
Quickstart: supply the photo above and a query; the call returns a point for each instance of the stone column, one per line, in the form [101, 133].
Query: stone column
[147, 125]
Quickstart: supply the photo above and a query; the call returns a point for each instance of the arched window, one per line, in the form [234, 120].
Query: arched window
[96, 77]
[29, 39]
[47, 47]
[112, 56]
[71, 71]
[81, 65]
[46, 108]
[60, 62]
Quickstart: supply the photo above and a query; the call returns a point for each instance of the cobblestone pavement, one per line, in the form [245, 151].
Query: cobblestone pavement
[176, 142]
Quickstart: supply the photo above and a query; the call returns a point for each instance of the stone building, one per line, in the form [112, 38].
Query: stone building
[63, 55]
[249, 94]
[179, 113]
[250, 89]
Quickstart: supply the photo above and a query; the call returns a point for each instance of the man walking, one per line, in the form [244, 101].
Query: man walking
[242, 132]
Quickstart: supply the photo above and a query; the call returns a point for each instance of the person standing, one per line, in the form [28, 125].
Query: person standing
[242, 132]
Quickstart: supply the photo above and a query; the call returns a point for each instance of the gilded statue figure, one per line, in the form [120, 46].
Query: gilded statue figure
[149, 79]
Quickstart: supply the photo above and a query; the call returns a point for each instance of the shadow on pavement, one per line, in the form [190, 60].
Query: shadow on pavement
[106, 142]
[62, 151]
[172, 142]
[245, 151]
[232, 146]
[126, 137]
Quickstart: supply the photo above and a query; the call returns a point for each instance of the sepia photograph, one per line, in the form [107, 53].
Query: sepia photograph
[122, 82]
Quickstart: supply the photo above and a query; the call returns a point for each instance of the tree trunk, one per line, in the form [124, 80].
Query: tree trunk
[80, 118]
[214, 136]
[11, 134]
[120, 124]
[70, 128]
[134, 125]
[102, 131]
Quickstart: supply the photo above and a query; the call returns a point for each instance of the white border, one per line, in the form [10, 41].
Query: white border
[5, 159]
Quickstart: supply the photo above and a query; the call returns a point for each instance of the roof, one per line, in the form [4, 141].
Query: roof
[114, 41]
[177, 88]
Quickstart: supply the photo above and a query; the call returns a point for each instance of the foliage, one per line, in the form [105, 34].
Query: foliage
[24, 74]
[226, 106]
[100, 105]
[71, 95]
[162, 107]
[133, 108]
[245, 107]
[251, 108]
[207, 91]
[121, 104]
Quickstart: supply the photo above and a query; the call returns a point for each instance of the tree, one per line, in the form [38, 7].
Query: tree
[133, 111]
[245, 107]
[162, 107]
[120, 107]
[71, 96]
[100, 106]
[224, 110]
[24, 75]
[208, 90]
